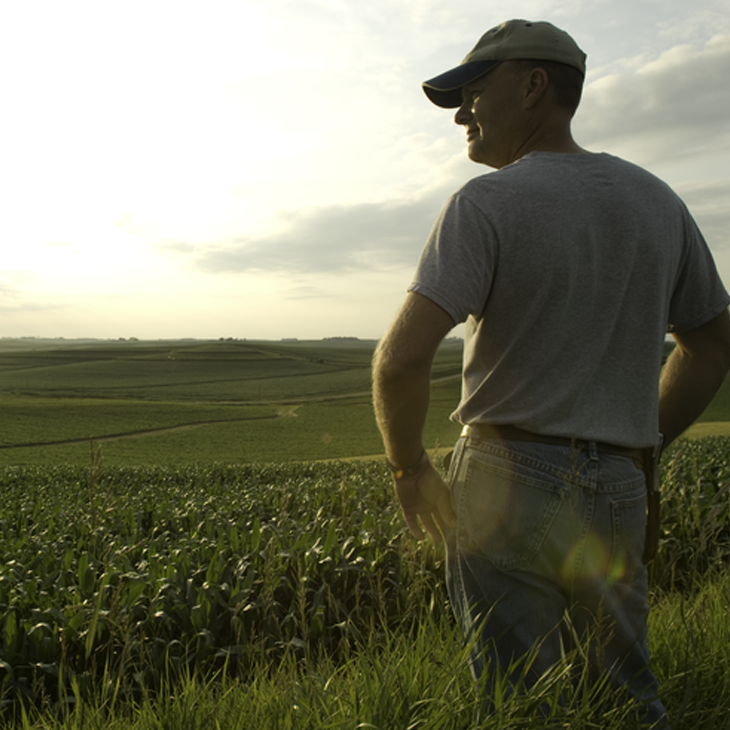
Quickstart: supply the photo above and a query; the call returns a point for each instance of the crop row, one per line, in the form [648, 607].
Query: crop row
[311, 430]
[199, 371]
[133, 573]
[47, 420]
[695, 513]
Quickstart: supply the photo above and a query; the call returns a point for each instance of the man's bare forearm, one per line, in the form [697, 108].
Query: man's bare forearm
[686, 389]
[402, 377]
[693, 374]
[401, 392]
[400, 397]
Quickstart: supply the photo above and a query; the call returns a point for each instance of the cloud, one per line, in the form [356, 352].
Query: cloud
[8, 298]
[675, 105]
[305, 292]
[331, 239]
[708, 205]
[14, 301]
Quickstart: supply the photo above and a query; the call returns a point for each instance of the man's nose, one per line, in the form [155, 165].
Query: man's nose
[463, 113]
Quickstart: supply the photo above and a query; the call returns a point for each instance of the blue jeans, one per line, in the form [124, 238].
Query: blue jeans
[548, 549]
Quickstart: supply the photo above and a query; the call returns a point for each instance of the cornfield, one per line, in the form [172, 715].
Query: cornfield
[131, 576]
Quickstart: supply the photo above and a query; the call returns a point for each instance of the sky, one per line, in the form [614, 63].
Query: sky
[268, 169]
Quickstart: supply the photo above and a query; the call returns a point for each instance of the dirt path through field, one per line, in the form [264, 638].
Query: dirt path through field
[287, 409]
[283, 413]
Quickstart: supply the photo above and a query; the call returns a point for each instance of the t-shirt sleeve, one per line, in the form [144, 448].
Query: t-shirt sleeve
[699, 294]
[458, 261]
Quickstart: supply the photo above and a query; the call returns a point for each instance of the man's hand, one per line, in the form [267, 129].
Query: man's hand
[426, 497]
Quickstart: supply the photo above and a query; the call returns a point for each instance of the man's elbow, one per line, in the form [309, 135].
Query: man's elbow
[391, 364]
[387, 366]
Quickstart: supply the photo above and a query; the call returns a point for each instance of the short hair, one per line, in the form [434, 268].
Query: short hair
[566, 80]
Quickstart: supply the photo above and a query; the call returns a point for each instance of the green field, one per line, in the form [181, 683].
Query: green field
[292, 596]
[164, 563]
[195, 401]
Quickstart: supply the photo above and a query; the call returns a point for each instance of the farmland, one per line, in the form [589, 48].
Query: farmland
[191, 401]
[167, 562]
[122, 585]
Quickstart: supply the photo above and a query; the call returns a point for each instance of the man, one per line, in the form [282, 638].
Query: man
[568, 268]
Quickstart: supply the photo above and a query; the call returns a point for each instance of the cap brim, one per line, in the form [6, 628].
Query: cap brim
[445, 90]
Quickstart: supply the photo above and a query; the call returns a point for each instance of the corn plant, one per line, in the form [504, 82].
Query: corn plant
[120, 579]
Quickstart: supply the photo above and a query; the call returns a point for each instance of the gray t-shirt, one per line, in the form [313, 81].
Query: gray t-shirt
[568, 270]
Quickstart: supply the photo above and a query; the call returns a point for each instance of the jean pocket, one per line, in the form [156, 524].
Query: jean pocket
[506, 514]
[629, 535]
[454, 461]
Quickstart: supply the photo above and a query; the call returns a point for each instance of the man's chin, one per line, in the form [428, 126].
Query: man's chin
[476, 151]
[477, 155]
[474, 155]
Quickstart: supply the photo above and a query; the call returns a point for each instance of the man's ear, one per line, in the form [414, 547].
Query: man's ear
[536, 84]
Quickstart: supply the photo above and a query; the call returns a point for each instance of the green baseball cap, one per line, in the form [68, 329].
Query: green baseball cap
[514, 40]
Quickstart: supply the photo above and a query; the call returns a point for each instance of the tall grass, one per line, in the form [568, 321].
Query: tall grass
[419, 679]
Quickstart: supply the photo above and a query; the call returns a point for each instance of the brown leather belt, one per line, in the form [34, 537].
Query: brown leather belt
[512, 433]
